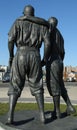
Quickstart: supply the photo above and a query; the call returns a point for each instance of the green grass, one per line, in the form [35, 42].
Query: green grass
[31, 106]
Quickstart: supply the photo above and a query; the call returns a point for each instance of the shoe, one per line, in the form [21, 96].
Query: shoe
[9, 122]
[56, 115]
[42, 118]
[70, 110]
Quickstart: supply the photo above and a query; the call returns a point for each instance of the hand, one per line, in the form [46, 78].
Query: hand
[43, 63]
[10, 62]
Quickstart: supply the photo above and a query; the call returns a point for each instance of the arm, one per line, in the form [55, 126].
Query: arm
[11, 52]
[47, 45]
[11, 41]
[60, 44]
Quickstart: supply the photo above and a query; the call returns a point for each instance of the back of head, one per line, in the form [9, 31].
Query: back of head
[53, 21]
[28, 10]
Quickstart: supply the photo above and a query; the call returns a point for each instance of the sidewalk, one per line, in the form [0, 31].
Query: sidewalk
[27, 97]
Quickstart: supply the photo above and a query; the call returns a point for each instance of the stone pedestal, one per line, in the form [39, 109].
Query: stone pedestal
[29, 120]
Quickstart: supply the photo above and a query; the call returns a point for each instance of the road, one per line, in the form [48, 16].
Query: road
[27, 97]
[70, 83]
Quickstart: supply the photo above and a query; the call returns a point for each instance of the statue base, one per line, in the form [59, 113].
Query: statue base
[29, 119]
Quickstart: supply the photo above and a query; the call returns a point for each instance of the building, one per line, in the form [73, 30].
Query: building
[70, 73]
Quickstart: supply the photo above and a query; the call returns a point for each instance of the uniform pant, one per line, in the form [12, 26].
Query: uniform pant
[54, 77]
[27, 62]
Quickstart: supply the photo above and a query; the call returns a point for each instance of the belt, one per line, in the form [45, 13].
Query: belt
[28, 48]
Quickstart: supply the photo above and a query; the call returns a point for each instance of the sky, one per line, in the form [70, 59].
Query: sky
[64, 10]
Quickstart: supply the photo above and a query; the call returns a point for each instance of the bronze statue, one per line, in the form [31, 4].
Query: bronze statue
[54, 70]
[27, 34]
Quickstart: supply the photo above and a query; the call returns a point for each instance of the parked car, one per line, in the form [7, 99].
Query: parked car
[6, 77]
